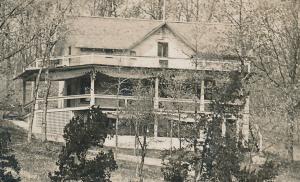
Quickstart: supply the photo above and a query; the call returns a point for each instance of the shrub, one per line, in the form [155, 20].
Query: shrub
[80, 135]
[176, 167]
[9, 167]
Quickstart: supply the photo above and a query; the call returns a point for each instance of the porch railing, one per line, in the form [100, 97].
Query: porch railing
[78, 102]
[142, 61]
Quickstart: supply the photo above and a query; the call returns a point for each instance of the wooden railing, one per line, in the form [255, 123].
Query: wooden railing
[113, 102]
[142, 61]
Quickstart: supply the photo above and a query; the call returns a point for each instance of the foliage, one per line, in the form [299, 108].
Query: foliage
[221, 156]
[175, 168]
[9, 166]
[80, 135]
[142, 117]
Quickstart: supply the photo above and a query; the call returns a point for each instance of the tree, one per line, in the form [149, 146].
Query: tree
[276, 47]
[176, 168]
[105, 8]
[9, 166]
[221, 156]
[80, 135]
[176, 88]
[13, 41]
[51, 24]
[141, 115]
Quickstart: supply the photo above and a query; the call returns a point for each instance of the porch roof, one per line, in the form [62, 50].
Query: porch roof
[69, 72]
[64, 73]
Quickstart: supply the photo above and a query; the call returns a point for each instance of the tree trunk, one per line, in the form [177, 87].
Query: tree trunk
[35, 94]
[290, 134]
[143, 155]
[44, 119]
[179, 132]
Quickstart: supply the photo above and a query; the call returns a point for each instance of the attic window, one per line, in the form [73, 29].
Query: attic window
[162, 49]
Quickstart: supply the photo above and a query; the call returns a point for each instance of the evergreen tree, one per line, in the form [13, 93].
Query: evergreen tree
[221, 157]
[80, 135]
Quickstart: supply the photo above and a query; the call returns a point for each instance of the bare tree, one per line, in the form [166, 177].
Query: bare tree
[277, 50]
[52, 27]
[105, 8]
[141, 115]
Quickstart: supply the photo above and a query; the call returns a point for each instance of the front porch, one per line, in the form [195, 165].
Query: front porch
[110, 87]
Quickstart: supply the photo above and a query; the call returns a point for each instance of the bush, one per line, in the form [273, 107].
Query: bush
[176, 167]
[9, 167]
[80, 135]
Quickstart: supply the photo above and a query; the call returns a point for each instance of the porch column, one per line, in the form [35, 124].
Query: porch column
[24, 96]
[223, 127]
[61, 88]
[246, 118]
[156, 96]
[156, 106]
[33, 85]
[93, 78]
[32, 90]
[202, 96]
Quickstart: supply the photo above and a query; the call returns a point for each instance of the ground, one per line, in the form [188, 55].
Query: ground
[38, 159]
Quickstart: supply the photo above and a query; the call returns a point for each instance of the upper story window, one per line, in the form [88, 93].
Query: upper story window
[132, 53]
[103, 51]
[162, 50]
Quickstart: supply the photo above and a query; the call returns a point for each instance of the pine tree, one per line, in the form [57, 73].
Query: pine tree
[80, 135]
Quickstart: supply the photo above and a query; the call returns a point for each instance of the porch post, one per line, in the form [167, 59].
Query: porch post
[156, 93]
[24, 96]
[32, 90]
[93, 78]
[246, 118]
[61, 88]
[156, 106]
[223, 127]
[202, 96]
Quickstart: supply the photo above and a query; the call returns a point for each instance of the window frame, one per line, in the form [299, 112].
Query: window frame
[163, 49]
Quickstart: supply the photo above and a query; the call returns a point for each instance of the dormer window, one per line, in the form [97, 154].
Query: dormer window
[162, 50]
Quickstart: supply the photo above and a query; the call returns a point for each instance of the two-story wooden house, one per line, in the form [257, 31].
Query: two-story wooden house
[99, 51]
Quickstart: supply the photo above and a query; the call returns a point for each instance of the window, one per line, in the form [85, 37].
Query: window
[70, 50]
[162, 49]
[85, 88]
[163, 63]
[103, 51]
[208, 89]
[126, 88]
[231, 128]
[132, 53]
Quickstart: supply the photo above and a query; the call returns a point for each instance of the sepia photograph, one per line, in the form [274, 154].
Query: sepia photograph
[149, 90]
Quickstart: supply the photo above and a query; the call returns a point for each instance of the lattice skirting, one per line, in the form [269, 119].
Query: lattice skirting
[56, 121]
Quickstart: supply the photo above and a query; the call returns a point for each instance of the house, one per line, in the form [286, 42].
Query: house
[99, 51]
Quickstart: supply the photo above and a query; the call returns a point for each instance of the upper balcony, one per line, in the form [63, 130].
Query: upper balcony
[142, 62]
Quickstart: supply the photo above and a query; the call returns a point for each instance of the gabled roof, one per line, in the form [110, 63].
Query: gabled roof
[203, 37]
[112, 33]
[120, 33]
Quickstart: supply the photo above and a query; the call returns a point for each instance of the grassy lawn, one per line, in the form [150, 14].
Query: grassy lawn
[150, 152]
[38, 159]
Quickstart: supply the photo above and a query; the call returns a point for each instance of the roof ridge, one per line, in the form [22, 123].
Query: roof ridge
[118, 18]
[152, 20]
[202, 22]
